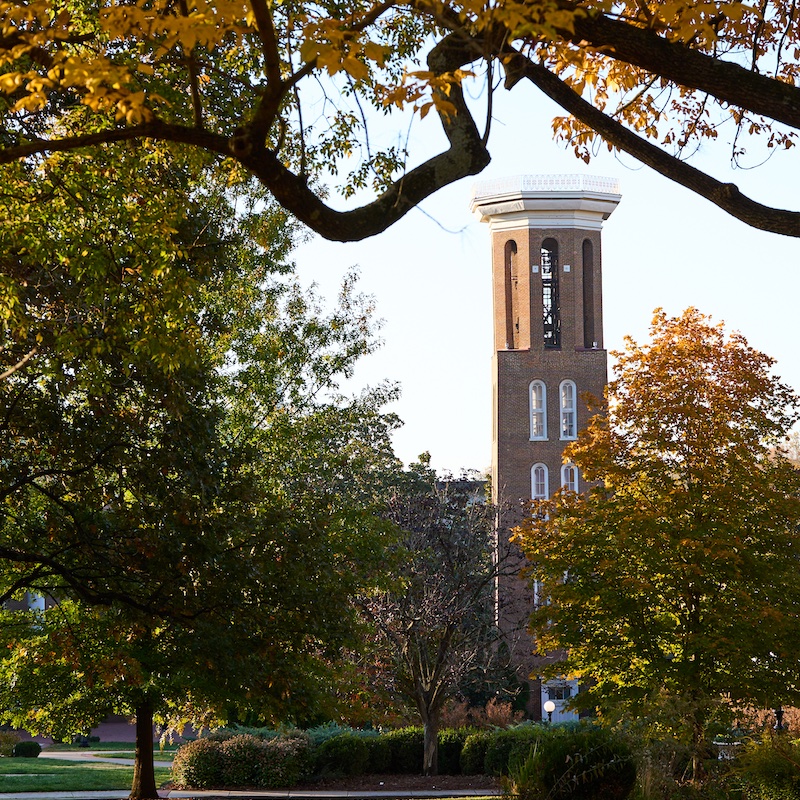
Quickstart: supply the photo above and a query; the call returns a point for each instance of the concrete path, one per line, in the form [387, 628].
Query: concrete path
[93, 755]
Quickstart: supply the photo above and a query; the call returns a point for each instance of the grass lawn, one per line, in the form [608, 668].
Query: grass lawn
[50, 775]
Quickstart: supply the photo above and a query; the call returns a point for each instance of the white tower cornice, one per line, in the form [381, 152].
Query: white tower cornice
[545, 201]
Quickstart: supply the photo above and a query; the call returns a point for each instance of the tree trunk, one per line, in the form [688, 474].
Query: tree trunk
[699, 745]
[144, 776]
[430, 758]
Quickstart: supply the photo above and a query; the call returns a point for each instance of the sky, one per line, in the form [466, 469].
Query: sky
[662, 247]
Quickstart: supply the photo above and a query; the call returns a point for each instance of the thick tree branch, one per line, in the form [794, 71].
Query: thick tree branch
[466, 155]
[728, 82]
[725, 195]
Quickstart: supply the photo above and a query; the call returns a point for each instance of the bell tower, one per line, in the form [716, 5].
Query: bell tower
[548, 351]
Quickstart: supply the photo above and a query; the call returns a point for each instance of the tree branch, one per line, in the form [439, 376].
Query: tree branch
[725, 195]
[726, 81]
[466, 155]
[21, 363]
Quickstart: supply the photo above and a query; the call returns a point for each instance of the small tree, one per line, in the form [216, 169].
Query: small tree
[436, 623]
[673, 584]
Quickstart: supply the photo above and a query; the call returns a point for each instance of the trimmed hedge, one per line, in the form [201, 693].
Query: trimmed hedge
[451, 744]
[406, 748]
[345, 754]
[380, 754]
[508, 746]
[27, 749]
[473, 754]
[199, 764]
[243, 760]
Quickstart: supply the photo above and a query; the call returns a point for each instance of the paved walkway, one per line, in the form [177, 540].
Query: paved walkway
[95, 755]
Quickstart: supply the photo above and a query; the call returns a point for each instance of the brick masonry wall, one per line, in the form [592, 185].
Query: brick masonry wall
[514, 454]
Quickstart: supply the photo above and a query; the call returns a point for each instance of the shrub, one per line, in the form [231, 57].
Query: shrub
[7, 741]
[509, 746]
[220, 735]
[451, 743]
[568, 764]
[259, 733]
[321, 733]
[346, 754]
[379, 754]
[199, 764]
[767, 769]
[473, 754]
[28, 749]
[285, 761]
[501, 714]
[406, 747]
[241, 759]
[456, 714]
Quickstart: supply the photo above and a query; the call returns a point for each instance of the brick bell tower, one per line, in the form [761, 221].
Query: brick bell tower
[548, 343]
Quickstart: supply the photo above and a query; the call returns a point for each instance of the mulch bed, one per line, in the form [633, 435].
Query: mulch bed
[400, 783]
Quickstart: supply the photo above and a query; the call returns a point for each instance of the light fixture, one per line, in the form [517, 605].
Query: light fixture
[549, 707]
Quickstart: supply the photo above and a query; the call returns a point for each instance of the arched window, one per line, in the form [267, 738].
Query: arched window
[569, 477]
[566, 402]
[538, 405]
[512, 297]
[589, 337]
[551, 314]
[539, 488]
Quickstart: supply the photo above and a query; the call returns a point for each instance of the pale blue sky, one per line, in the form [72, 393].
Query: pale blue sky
[663, 246]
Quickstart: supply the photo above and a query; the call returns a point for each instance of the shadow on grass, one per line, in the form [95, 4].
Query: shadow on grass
[50, 775]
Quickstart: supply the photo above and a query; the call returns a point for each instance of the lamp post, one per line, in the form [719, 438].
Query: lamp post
[779, 720]
[549, 707]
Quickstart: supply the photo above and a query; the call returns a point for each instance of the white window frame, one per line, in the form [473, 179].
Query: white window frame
[545, 482]
[568, 416]
[569, 485]
[538, 412]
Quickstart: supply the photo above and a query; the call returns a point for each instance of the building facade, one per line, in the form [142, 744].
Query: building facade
[548, 352]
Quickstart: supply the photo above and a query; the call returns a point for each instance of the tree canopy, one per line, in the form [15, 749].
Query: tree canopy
[295, 92]
[672, 585]
[181, 473]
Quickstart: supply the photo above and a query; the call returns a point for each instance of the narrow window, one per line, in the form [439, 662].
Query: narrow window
[551, 316]
[539, 487]
[538, 404]
[569, 477]
[589, 337]
[561, 692]
[569, 428]
[512, 299]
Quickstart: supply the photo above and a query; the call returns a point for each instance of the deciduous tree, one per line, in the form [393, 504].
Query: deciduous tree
[181, 473]
[672, 584]
[243, 79]
[436, 625]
